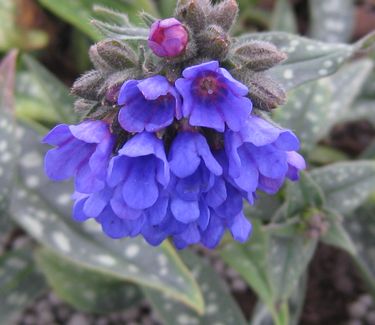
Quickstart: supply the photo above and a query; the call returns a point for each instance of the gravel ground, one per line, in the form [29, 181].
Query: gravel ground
[50, 310]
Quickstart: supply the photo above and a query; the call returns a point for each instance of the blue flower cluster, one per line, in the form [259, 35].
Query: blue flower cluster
[194, 151]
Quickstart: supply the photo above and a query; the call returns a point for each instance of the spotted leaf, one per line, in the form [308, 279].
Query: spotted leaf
[7, 127]
[20, 283]
[361, 229]
[305, 112]
[51, 90]
[332, 21]
[307, 59]
[220, 306]
[346, 185]
[85, 289]
[272, 264]
[312, 109]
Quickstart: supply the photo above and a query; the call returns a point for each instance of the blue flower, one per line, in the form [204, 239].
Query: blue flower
[148, 105]
[212, 98]
[260, 156]
[98, 206]
[186, 183]
[202, 203]
[140, 171]
[83, 151]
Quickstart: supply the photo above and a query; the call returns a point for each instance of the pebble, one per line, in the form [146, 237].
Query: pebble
[355, 322]
[21, 242]
[78, 319]
[366, 300]
[357, 310]
[239, 285]
[370, 317]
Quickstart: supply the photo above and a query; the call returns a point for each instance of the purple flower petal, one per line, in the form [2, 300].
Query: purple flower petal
[121, 209]
[140, 189]
[185, 211]
[58, 135]
[96, 203]
[240, 228]
[153, 87]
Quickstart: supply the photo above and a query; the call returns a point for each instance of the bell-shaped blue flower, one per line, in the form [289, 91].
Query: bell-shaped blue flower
[98, 206]
[148, 105]
[261, 156]
[139, 172]
[83, 151]
[212, 98]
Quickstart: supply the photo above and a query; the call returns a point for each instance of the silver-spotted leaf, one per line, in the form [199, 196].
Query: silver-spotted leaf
[220, 306]
[52, 91]
[20, 283]
[361, 229]
[283, 17]
[84, 289]
[337, 235]
[332, 21]
[306, 112]
[307, 59]
[346, 185]
[7, 128]
[250, 260]
[272, 264]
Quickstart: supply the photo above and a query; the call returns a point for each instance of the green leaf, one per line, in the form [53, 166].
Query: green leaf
[314, 108]
[361, 109]
[324, 155]
[332, 21]
[31, 102]
[346, 85]
[368, 91]
[272, 264]
[14, 34]
[250, 260]
[297, 301]
[369, 153]
[43, 209]
[130, 260]
[7, 129]
[306, 111]
[85, 289]
[283, 17]
[303, 194]
[167, 7]
[265, 207]
[307, 59]
[346, 185]
[288, 260]
[54, 93]
[121, 33]
[20, 283]
[220, 306]
[337, 235]
[79, 13]
[361, 228]
[261, 315]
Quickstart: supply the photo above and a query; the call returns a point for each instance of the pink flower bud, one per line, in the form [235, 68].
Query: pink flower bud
[168, 38]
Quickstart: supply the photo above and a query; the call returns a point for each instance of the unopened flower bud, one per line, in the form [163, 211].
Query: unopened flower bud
[168, 38]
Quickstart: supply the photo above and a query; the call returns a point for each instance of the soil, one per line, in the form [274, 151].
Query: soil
[333, 285]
